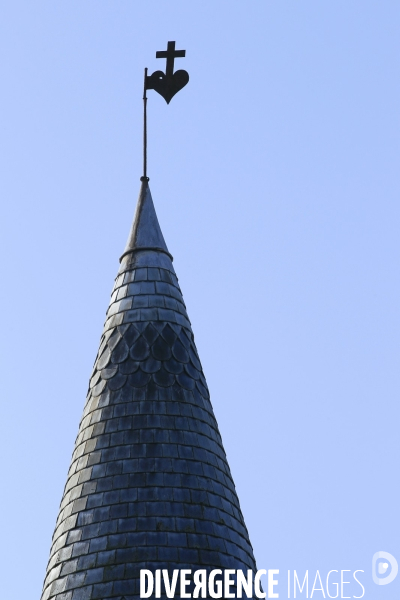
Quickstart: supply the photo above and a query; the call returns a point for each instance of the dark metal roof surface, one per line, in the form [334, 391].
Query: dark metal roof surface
[149, 484]
[145, 232]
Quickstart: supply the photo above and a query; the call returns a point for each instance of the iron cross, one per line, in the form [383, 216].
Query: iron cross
[170, 54]
[166, 84]
[169, 83]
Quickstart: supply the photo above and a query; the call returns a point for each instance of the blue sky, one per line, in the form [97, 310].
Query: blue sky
[275, 175]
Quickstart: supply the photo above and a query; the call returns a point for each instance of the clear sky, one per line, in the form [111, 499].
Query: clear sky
[275, 175]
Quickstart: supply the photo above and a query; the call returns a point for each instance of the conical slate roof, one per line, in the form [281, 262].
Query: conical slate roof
[149, 485]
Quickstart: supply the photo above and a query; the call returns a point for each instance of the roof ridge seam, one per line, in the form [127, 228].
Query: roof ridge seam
[144, 248]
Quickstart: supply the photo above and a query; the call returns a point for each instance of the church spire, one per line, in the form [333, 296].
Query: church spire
[149, 486]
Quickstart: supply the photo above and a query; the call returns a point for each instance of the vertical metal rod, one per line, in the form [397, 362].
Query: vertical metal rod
[145, 127]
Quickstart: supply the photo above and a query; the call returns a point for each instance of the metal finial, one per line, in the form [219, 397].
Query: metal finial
[166, 84]
[144, 129]
[169, 83]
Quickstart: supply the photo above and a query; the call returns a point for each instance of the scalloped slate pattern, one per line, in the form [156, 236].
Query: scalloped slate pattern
[149, 484]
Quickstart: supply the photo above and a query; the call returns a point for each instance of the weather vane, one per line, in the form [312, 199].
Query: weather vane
[166, 84]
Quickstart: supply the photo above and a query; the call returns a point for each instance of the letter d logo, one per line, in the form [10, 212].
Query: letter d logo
[383, 567]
